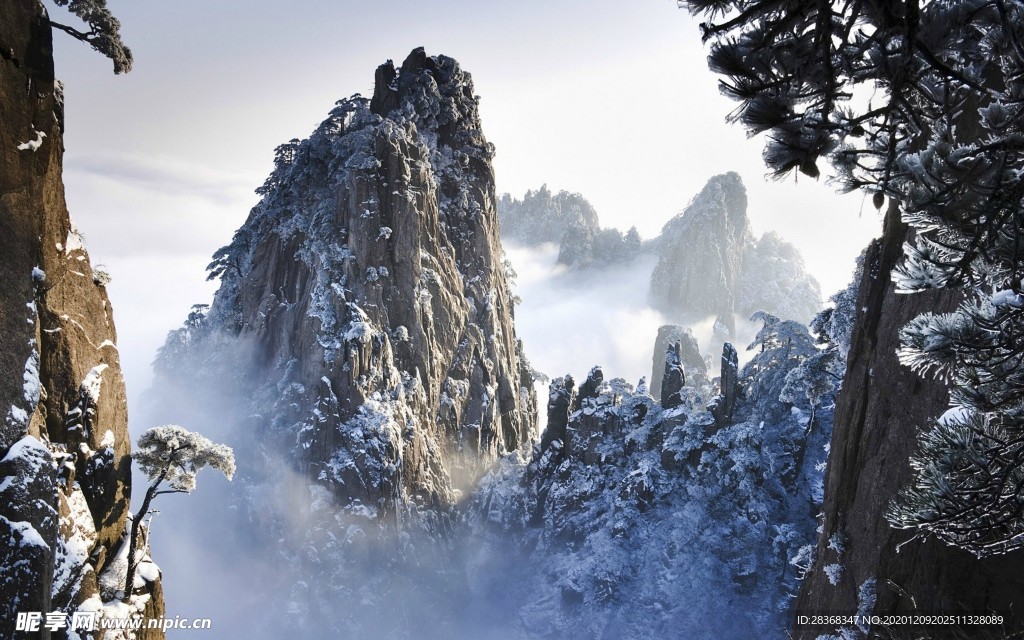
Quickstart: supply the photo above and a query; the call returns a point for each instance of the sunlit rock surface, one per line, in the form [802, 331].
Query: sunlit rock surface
[65, 481]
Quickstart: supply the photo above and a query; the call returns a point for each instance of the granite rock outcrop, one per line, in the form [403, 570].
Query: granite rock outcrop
[64, 443]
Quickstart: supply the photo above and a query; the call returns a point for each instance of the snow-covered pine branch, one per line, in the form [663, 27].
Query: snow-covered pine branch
[104, 34]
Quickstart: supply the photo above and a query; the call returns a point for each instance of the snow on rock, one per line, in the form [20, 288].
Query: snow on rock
[32, 145]
[117, 610]
[75, 544]
[74, 240]
[359, 329]
[834, 572]
[147, 570]
[29, 523]
[30, 450]
[93, 382]
[633, 520]
[111, 581]
[30, 387]
[867, 597]
[18, 416]
[23, 533]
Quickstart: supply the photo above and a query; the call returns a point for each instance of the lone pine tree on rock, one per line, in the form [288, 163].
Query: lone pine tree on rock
[171, 456]
[104, 34]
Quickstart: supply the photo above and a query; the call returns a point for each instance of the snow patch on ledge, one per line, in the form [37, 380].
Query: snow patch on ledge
[29, 536]
[93, 382]
[74, 240]
[32, 145]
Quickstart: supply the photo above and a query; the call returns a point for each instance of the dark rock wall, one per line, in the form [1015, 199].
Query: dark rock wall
[879, 410]
[64, 440]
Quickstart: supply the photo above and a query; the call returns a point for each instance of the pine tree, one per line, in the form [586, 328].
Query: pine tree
[104, 34]
[171, 456]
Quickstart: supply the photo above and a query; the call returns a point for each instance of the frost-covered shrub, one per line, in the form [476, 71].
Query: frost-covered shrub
[101, 275]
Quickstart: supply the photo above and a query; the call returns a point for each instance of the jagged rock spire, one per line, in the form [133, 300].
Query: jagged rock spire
[723, 406]
[367, 293]
[589, 387]
[561, 396]
[694, 367]
[674, 378]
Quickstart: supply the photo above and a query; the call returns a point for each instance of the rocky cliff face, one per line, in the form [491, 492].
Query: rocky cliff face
[710, 265]
[64, 444]
[368, 292]
[701, 260]
[363, 336]
[878, 412]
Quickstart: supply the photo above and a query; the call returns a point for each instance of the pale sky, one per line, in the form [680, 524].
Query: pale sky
[609, 99]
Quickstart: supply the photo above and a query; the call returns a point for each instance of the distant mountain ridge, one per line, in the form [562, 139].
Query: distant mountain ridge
[542, 216]
[709, 264]
[568, 220]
